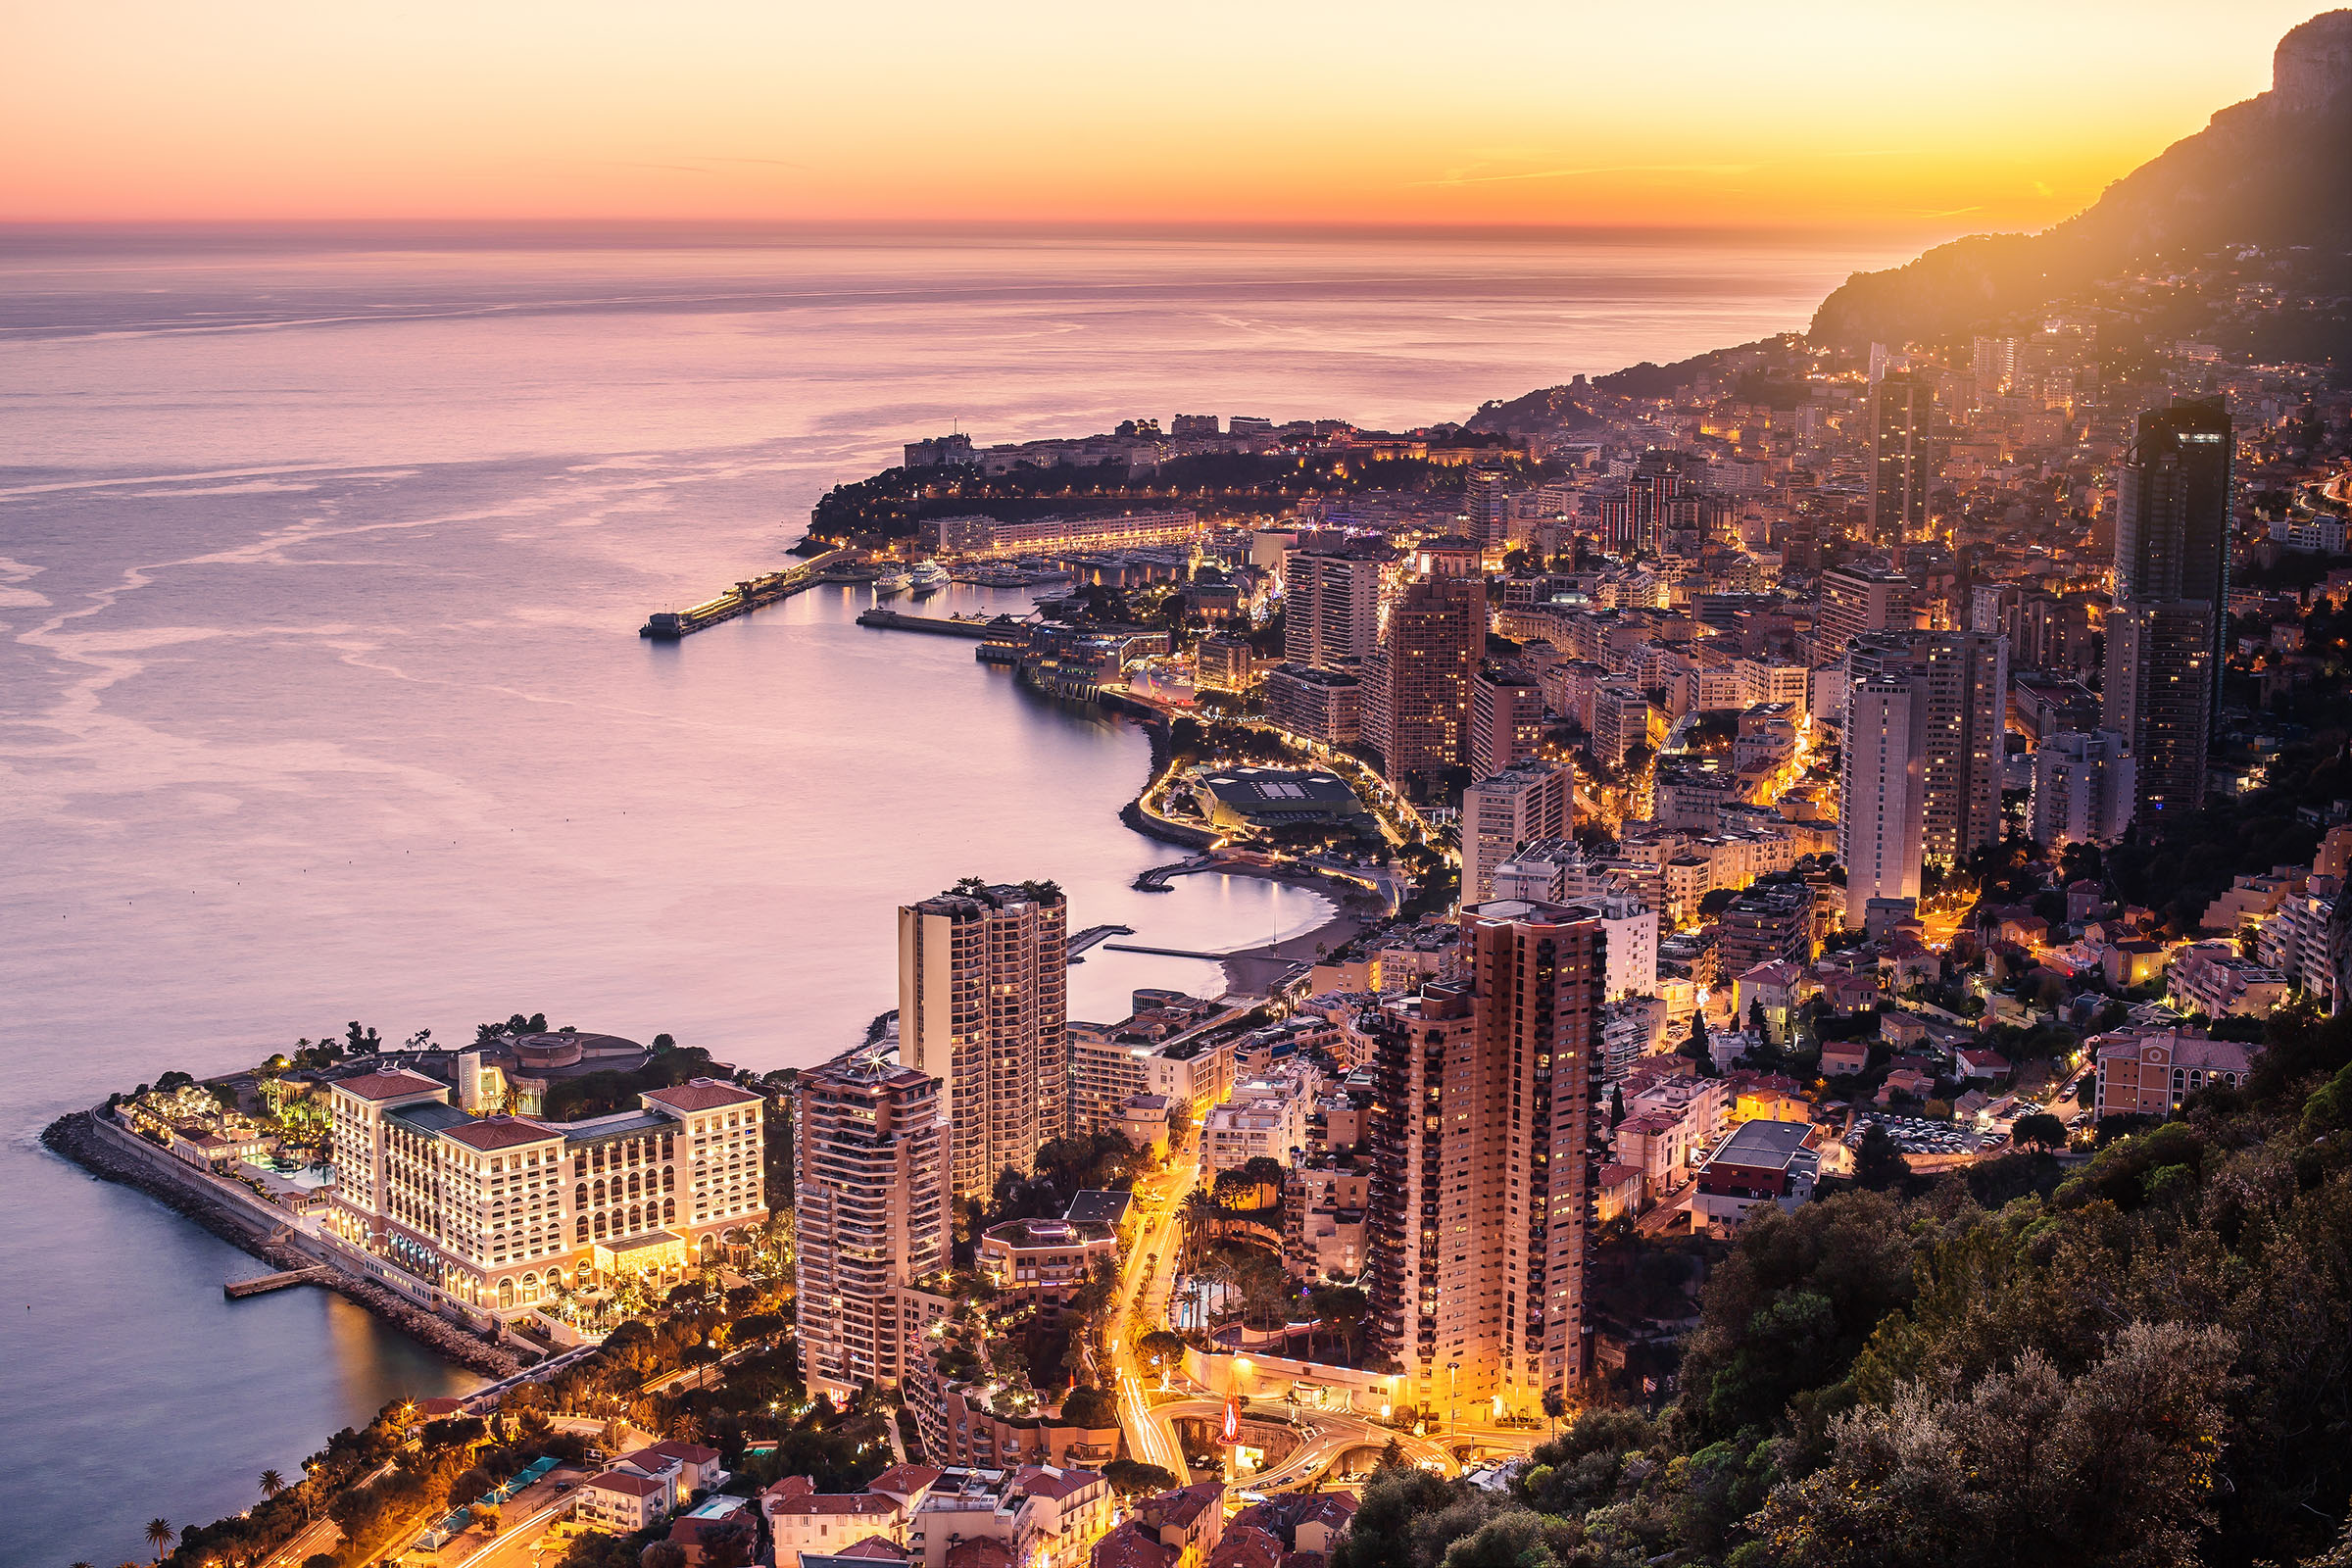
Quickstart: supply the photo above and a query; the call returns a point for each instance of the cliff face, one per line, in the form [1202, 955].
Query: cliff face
[2274, 170]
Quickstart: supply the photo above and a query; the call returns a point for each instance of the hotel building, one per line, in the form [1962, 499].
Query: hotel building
[499, 1212]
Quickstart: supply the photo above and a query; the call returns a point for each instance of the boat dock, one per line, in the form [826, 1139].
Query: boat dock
[979, 630]
[668, 625]
[238, 1290]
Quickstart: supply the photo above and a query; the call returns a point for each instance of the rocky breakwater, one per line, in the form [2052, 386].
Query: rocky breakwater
[102, 1152]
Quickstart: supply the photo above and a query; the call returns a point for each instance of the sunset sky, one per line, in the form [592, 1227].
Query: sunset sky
[1893, 115]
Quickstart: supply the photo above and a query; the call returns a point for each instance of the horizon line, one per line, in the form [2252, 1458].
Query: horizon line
[721, 230]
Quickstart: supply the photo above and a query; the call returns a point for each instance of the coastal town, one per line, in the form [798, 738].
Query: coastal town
[1810, 836]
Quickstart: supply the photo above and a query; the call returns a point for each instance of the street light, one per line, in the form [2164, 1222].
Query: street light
[1453, 1368]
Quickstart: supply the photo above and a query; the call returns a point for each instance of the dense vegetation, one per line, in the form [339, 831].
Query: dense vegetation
[891, 504]
[2144, 1359]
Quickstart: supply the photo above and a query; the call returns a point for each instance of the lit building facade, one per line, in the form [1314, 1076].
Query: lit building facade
[2171, 590]
[871, 1204]
[983, 1006]
[499, 1212]
[1484, 1135]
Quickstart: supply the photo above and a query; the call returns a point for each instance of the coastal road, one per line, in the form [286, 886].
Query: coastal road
[1143, 1297]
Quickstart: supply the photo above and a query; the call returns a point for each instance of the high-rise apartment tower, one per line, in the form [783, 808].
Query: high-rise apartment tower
[983, 1006]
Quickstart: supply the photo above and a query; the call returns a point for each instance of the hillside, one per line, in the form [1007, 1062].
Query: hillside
[2275, 171]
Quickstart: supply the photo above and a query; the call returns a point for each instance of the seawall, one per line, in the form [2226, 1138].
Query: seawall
[115, 1156]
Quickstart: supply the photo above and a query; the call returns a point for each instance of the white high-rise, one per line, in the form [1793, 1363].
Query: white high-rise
[983, 1006]
[1331, 604]
[2083, 789]
[1881, 812]
[1506, 809]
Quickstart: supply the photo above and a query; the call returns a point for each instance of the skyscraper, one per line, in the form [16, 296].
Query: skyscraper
[1882, 799]
[2083, 788]
[1506, 810]
[1947, 778]
[1436, 635]
[1901, 468]
[1860, 598]
[1331, 602]
[1484, 1127]
[983, 988]
[1506, 719]
[871, 1171]
[2172, 592]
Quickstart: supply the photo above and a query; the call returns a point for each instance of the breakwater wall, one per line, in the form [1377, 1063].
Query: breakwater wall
[112, 1154]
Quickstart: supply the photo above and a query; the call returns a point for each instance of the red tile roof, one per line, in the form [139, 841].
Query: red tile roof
[879, 1548]
[1129, 1547]
[622, 1482]
[387, 1084]
[501, 1132]
[1245, 1547]
[832, 1505]
[1043, 1481]
[686, 1453]
[703, 1094]
[979, 1553]
[904, 1480]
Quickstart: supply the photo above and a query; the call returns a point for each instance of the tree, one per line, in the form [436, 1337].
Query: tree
[2040, 1129]
[2115, 1466]
[1341, 1308]
[361, 1042]
[1130, 1478]
[159, 1535]
[1087, 1405]
[273, 1482]
[1695, 1048]
[1878, 1164]
[663, 1555]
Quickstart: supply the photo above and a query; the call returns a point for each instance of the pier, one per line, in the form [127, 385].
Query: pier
[668, 625]
[1093, 934]
[979, 630]
[1156, 879]
[238, 1290]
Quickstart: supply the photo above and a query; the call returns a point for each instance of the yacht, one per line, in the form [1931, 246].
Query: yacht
[895, 583]
[928, 577]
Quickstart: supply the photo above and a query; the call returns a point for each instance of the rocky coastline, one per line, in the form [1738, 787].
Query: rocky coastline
[76, 1137]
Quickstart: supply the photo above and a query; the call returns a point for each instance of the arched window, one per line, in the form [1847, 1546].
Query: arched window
[579, 1232]
[670, 1209]
[635, 1189]
[600, 1192]
[600, 1224]
[506, 1293]
[636, 1220]
[530, 1287]
[579, 1196]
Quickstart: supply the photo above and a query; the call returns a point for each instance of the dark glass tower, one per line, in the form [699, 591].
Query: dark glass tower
[2172, 594]
[1901, 468]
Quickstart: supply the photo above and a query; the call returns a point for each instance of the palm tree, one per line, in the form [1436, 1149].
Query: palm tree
[159, 1535]
[273, 1482]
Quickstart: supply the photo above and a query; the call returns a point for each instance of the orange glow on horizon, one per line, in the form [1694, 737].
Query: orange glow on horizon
[1822, 114]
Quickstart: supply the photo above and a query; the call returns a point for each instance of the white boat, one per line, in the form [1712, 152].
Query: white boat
[895, 583]
[928, 577]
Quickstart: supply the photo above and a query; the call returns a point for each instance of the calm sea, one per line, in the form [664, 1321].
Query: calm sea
[321, 699]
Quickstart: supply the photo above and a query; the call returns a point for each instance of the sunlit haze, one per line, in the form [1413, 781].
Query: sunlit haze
[1821, 114]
